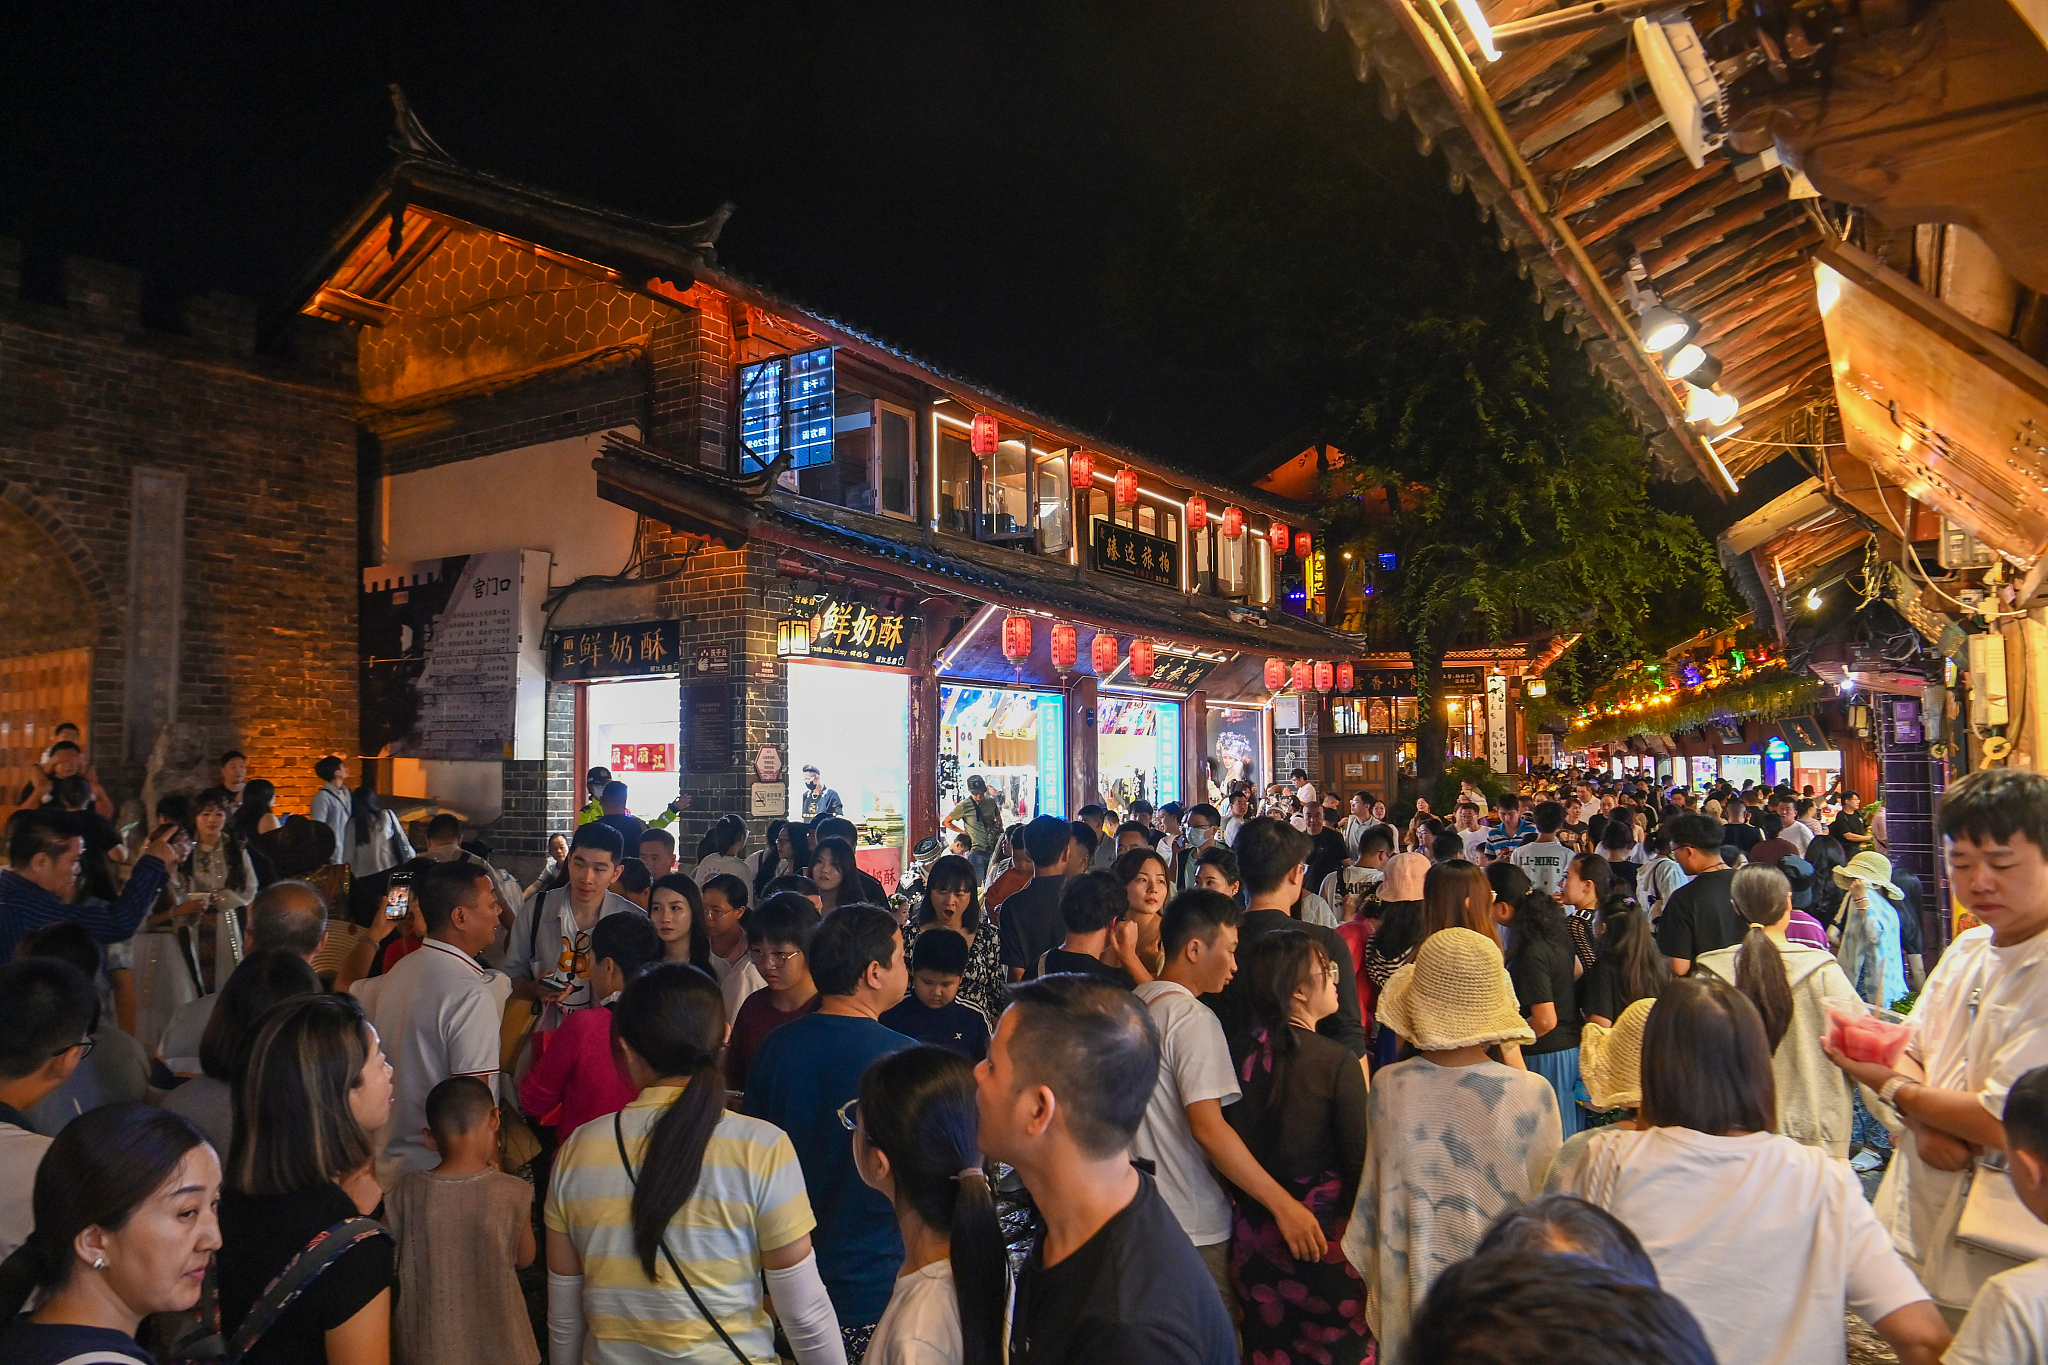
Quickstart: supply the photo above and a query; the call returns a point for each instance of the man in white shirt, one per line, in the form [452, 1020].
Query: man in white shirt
[1791, 828]
[332, 803]
[2008, 1322]
[1980, 1023]
[1304, 790]
[1234, 818]
[1470, 831]
[437, 1011]
[1358, 821]
[1184, 1133]
[1545, 857]
[47, 1009]
[287, 915]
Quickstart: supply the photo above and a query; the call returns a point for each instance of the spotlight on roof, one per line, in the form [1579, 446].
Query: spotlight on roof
[1662, 329]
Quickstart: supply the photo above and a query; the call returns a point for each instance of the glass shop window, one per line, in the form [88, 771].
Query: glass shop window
[1055, 505]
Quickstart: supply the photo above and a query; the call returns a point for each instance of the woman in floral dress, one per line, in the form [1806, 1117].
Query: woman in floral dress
[952, 900]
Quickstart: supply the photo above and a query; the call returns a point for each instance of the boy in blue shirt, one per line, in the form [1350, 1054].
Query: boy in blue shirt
[932, 1013]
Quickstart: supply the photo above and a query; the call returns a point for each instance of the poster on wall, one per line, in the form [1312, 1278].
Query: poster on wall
[709, 708]
[440, 649]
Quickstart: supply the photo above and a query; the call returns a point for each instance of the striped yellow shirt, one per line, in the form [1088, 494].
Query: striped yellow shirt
[749, 1196]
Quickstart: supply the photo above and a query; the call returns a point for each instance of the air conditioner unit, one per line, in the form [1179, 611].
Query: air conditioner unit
[1987, 680]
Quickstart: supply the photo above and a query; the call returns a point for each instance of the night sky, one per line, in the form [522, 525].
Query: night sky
[1003, 188]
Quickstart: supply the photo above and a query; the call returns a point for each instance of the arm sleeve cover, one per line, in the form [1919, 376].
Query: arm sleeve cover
[807, 1317]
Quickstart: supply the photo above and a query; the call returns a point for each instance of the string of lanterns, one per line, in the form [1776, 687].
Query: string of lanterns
[1063, 647]
[1651, 686]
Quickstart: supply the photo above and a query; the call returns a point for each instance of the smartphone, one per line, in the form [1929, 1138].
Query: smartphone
[398, 900]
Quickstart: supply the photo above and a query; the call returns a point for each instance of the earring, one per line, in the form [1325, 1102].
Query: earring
[99, 1263]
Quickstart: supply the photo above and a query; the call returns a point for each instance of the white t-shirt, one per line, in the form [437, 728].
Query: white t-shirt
[1194, 1065]
[2008, 1322]
[719, 863]
[180, 1045]
[437, 1014]
[1306, 794]
[1545, 861]
[1316, 910]
[21, 1151]
[1765, 1240]
[737, 981]
[921, 1325]
[1474, 840]
[1797, 835]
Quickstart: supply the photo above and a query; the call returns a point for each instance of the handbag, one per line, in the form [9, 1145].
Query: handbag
[619, 1136]
[202, 1341]
[1994, 1219]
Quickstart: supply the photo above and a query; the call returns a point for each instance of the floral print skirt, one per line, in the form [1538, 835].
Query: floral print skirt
[1295, 1312]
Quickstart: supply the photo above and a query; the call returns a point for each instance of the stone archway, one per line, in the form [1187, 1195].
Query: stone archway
[49, 622]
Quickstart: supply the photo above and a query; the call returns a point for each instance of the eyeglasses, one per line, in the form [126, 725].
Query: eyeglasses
[84, 1045]
[772, 959]
[849, 1119]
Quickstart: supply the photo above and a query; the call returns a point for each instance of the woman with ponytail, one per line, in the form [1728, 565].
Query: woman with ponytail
[1791, 986]
[125, 1227]
[914, 1141]
[1627, 966]
[663, 1216]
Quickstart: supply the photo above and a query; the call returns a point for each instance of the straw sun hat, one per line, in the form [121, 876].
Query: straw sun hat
[1455, 994]
[1870, 867]
[1611, 1059]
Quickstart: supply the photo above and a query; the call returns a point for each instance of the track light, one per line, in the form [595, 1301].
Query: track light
[1690, 363]
[1662, 329]
[1709, 406]
[1813, 599]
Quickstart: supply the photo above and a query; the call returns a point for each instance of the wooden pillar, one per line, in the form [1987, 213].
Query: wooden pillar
[922, 819]
[1083, 775]
[1194, 749]
[2026, 684]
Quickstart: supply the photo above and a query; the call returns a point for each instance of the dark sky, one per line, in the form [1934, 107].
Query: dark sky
[987, 183]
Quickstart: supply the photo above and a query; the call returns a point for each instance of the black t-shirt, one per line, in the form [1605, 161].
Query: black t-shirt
[1848, 823]
[1621, 876]
[38, 1343]
[1136, 1292]
[630, 828]
[1542, 970]
[1744, 837]
[1060, 960]
[259, 1235]
[1700, 917]
[1603, 991]
[1326, 854]
[1030, 922]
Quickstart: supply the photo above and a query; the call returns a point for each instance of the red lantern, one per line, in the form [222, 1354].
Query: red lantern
[1081, 469]
[1103, 654]
[1016, 637]
[1065, 646]
[1300, 675]
[1141, 658]
[1276, 671]
[1233, 522]
[1277, 534]
[1198, 512]
[1126, 487]
[1347, 677]
[982, 437]
[1326, 676]
[1304, 544]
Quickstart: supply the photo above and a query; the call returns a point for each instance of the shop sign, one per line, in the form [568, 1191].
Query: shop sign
[1400, 682]
[709, 708]
[1133, 554]
[852, 631]
[712, 659]
[636, 649]
[643, 758]
[1461, 680]
[1172, 672]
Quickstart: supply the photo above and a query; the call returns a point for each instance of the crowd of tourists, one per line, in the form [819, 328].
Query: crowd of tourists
[1585, 1076]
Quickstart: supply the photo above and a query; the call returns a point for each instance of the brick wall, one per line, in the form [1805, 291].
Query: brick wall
[265, 445]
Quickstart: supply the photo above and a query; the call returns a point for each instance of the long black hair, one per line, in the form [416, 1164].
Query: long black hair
[1826, 854]
[917, 1108]
[364, 811]
[1536, 916]
[767, 872]
[294, 1129]
[849, 892]
[951, 873]
[727, 830]
[230, 840]
[700, 937]
[258, 799]
[103, 1166]
[673, 1018]
[266, 977]
[1275, 967]
[1762, 896]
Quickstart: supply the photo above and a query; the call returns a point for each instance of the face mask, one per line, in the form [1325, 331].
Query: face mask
[1199, 834]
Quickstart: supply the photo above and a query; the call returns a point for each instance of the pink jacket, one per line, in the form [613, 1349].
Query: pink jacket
[576, 1072]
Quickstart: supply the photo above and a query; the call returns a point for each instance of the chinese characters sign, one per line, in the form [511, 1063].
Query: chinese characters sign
[853, 631]
[1133, 554]
[1170, 672]
[643, 758]
[440, 655]
[633, 650]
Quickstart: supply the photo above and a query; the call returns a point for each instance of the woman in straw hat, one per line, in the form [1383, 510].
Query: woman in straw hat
[1467, 1137]
[1611, 1064]
[1870, 951]
[1791, 985]
[1767, 1241]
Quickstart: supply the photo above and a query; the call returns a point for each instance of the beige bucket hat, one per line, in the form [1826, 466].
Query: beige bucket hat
[1871, 867]
[1455, 994]
[1611, 1059]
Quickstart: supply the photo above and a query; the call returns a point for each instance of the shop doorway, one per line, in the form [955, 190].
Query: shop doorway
[853, 723]
[634, 728]
[1351, 766]
[1014, 739]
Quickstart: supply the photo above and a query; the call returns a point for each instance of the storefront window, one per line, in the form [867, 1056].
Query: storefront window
[895, 467]
[1815, 768]
[1015, 740]
[633, 728]
[1703, 770]
[854, 724]
[1741, 768]
[1138, 750]
[1237, 747]
[961, 495]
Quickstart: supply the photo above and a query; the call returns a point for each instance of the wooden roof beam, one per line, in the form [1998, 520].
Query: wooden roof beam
[1707, 196]
[1597, 136]
[1793, 368]
[1602, 180]
[1737, 246]
[1681, 244]
[1601, 78]
[1771, 261]
[1668, 182]
[1729, 309]
[1516, 69]
[1789, 316]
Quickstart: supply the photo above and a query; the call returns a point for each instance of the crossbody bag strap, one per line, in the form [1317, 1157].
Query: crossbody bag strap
[619, 1136]
[297, 1276]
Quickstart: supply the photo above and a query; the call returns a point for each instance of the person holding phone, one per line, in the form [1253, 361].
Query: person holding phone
[43, 855]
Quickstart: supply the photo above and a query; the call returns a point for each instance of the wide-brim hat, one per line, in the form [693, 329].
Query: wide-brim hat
[1611, 1059]
[1403, 877]
[1454, 994]
[1870, 867]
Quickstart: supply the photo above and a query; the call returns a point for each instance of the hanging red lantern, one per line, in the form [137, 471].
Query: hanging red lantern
[1198, 512]
[1277, 535]
[1326, 676]
[1233, 522]
[1016, 637]
[1103, 654]
[1304, 544]
[1299, 675]
[1081, 469]
[1141, 658]
[1347, 677]
[1126, 487]
[1276, 674]
[1065, 647]
[982, 436]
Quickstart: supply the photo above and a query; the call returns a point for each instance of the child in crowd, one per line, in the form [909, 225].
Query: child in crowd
[932, 1013]
[2008, 1322]
[464, 1228]
[961, 845]
[779, 935]
[577, 1078]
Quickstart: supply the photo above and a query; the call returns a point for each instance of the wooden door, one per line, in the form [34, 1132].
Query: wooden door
[39, 692]
[1355, 765]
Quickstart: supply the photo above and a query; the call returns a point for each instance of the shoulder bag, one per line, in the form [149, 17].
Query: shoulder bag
[1994, 1219]
[204, 1342]
[619, 1136]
